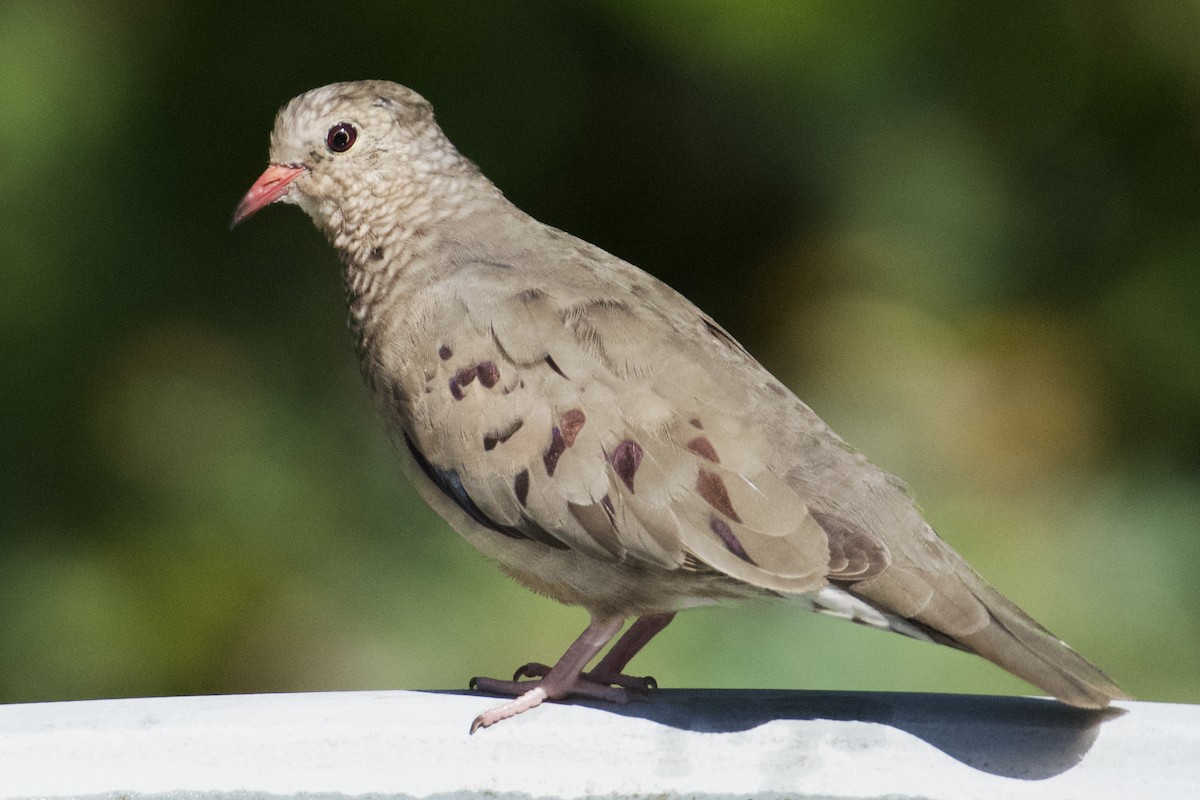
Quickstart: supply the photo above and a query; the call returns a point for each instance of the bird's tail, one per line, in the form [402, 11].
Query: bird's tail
[965, 612]
[1015, 641]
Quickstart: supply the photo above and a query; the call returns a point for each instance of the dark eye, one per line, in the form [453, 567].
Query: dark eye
[341, 137]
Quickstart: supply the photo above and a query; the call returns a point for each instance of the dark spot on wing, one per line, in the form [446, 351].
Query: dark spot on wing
[501, 436]
[702, 447]
[711, 487]
[377, 254]
[695, 423]
[550, 363]
[721, 528]
[626, 459]
[571, 424]
[556, 448]
[529, 295]
[444, 353]
[489, 373]
[461, 379]
[521, 486]
[465, 375]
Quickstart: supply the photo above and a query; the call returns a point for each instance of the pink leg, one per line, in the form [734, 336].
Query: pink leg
[562, 679]
[629, 645]
[610, 670]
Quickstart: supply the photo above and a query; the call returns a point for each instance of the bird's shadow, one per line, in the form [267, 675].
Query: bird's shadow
[1015, 737]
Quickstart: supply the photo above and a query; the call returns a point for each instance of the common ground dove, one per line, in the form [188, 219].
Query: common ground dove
[587, 427]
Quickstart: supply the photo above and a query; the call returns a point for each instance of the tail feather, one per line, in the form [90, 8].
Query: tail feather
[1016, 642]
[1002, 632]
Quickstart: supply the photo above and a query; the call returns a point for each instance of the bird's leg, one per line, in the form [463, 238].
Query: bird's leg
[610, 670]
[562, 680]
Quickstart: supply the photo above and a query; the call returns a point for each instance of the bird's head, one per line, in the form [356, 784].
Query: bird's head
[349, 153]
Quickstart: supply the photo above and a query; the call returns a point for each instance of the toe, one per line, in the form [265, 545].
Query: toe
[534, 669]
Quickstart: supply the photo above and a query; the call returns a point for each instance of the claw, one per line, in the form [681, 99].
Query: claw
[523, 702]
[534, 669]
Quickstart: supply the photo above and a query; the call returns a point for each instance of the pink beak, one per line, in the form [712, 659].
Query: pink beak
[269, 187]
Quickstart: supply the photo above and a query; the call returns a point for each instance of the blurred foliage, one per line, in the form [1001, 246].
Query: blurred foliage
[967, 235]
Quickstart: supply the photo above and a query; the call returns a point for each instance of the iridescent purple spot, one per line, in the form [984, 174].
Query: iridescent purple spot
[571, 424]
[489, 373]
[721, 528]
[625, 460]
[702, 447]
[444, 353]
[465, 375]
[461, 378]
[521, 486]
[556, 448]
[712, 488]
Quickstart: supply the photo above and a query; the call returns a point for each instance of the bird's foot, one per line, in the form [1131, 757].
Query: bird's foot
[564, 679]
[530, 694]
[603, 677]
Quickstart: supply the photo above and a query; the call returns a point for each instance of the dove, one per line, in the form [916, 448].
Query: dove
[588, 428]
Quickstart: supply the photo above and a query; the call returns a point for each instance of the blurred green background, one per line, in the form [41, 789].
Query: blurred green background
[967, 236]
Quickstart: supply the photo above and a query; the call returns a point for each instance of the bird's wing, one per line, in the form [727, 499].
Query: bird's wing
[615, 422]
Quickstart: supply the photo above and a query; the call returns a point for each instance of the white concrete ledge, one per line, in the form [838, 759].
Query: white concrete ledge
[682, 743]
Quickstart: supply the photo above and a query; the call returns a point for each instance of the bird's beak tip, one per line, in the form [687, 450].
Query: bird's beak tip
[271, 186]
